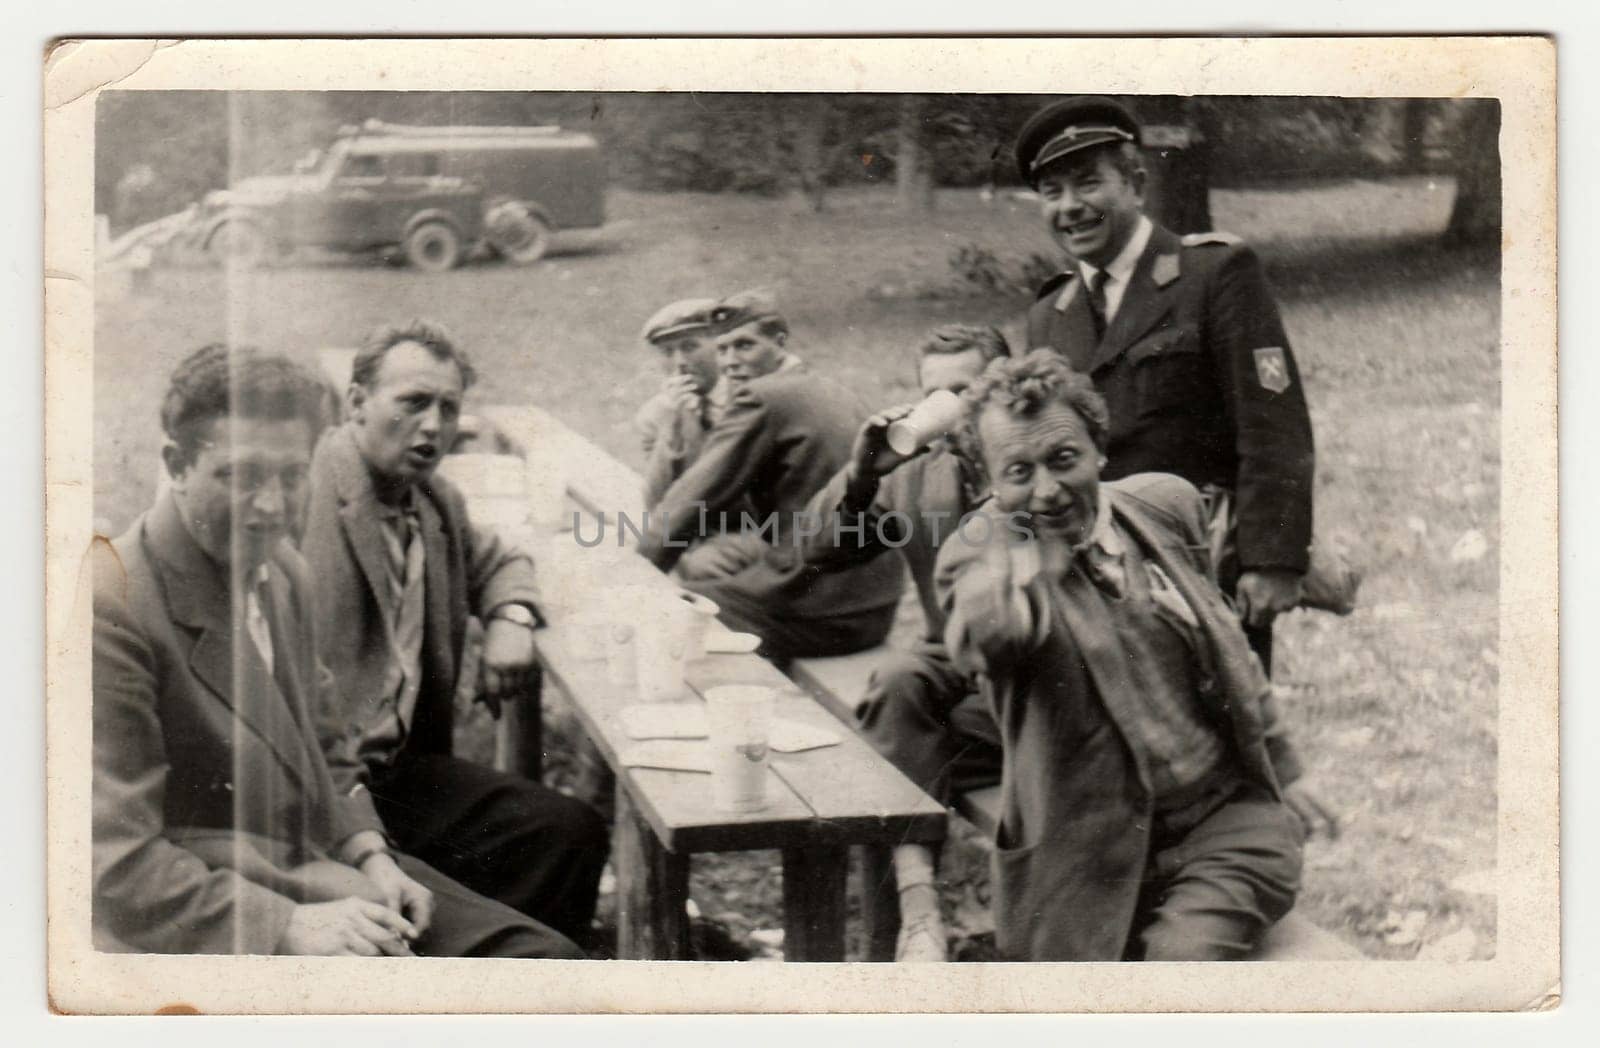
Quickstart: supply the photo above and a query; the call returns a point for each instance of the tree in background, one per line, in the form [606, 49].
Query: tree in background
[913, 164]
[1475, 148]
[166, 150]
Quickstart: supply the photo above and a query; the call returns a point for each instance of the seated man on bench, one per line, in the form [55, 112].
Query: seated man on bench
[919, 710]
[1152, 807]
[403, 577]
[729, 522]
[217, 827]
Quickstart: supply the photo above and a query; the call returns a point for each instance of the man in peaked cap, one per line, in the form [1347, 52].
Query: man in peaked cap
[672, 425]
[1183, 339]
[728, 522]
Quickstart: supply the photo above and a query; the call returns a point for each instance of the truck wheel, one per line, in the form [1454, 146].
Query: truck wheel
[519, 235]
[433, 247]
[238, 243]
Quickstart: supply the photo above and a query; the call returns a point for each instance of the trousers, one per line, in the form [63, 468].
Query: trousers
[517, 842]
[1217, 880]
[920, 714]
[466, 924]
[752, 608]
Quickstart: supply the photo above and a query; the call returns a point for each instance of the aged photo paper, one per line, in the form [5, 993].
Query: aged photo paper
[293, 195]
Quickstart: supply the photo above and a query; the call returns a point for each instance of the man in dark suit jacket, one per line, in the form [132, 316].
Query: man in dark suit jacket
[784, 434]
[1149, 793]
[402, 578]
[217, 828]
[1183, 339]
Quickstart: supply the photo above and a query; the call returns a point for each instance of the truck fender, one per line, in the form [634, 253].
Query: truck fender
[432, 214]
[216, 222]
[537, 210]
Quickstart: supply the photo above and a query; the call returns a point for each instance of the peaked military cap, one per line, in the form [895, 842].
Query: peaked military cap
[678, 318]
[744, 307]
[1064, 127]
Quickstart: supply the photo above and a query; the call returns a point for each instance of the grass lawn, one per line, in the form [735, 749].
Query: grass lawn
[1394, 706]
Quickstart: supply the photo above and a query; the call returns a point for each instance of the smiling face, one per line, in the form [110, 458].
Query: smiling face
[746, 353]
[1044, 465]
[407, 421]
[244, 489]
[693, 355]
[1090, 206]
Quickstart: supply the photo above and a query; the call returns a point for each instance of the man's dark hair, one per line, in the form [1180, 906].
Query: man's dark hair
[1024, 385]
[217, 381]
[960, 338]
[430, 336]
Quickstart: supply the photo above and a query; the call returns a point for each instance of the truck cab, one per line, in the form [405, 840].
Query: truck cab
[436, 193]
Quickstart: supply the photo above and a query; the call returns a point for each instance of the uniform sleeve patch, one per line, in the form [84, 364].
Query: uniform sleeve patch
[1272, 369]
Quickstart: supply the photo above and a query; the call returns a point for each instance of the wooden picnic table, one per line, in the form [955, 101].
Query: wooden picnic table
[821, 802]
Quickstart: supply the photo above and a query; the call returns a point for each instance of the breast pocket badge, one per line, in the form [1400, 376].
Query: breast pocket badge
[1272, 369]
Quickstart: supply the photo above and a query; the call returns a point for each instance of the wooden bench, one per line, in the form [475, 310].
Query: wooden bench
[838, 684]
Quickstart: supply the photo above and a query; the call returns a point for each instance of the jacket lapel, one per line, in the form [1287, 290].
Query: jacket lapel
[199, 596]
[358, 516]
[1240, 682]
[1073, 322]
[1151, 291]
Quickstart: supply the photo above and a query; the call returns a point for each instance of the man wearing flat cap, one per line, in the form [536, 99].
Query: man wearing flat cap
[1183, 339]
[672, 425]
[728, 521]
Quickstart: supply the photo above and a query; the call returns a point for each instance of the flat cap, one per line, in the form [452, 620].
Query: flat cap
[745, 307]
[679, 318]
[1064, 127]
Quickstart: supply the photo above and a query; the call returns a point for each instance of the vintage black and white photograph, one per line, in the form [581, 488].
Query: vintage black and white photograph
[928, 527]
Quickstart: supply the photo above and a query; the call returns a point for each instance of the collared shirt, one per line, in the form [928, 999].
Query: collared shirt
[384, 729]
[255, 618]
[1101, 552]
[1120, 271]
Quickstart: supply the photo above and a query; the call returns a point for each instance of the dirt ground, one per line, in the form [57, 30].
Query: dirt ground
[1394, 706]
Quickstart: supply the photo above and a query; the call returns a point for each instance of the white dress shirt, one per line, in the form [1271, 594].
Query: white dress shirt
[1120, 271]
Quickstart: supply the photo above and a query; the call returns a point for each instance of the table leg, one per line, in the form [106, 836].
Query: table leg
[652, 890]
[880, 902]
[814, 903]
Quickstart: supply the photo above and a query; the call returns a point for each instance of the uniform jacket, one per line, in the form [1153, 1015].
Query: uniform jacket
[1200, 381]
[469, 571]
[194, 738]
[1076, 808]
[783, 436]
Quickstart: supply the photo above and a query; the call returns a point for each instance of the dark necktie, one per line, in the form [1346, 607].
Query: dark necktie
[1096, 282]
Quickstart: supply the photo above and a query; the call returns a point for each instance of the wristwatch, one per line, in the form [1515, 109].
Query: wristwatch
[360, 858]
[517, 613]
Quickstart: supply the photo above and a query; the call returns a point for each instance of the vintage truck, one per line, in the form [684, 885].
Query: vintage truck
[435, 194]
